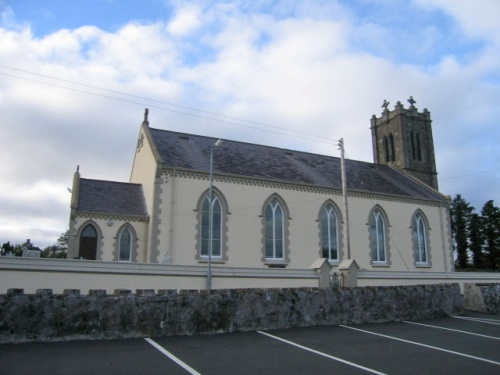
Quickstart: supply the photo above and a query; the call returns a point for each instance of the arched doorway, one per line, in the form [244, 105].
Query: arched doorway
[88, 243]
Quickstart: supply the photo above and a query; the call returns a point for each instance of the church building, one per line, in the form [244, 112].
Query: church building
[192, 199]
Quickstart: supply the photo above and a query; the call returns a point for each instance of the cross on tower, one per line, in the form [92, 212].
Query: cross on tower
[385, 105]
[412, 101]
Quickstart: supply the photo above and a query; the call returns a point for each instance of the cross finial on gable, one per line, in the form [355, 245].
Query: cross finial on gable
[412, 101]
[385, 104]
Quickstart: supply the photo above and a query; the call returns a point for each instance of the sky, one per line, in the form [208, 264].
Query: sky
[76, 76]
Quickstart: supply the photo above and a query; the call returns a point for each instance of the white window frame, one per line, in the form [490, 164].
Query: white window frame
[328, 211]
[204, 253]
[420, 238]
[202, 231]
[130, 245]
[378, 219]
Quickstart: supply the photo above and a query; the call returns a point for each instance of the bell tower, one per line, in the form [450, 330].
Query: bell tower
[402, 138]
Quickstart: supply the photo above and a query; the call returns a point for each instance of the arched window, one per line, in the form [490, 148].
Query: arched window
[330, 234]
[125, 246]
[378, 238]
[420, 240]
[413, 150]
[386, 149]
[215, 226]
[88, 243]
[419, 151]
[214, 229]
[392, 149]
[275, 229]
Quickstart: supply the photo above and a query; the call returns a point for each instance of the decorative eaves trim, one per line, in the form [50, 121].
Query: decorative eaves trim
[250, 181]
[105, 216]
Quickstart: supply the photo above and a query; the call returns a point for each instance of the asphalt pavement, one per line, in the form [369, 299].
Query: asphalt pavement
[468, 344]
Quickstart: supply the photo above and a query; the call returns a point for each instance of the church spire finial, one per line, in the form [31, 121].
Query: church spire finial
[412, 101]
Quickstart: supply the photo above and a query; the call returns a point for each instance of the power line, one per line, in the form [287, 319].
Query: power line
[279, 130]
[470, 174]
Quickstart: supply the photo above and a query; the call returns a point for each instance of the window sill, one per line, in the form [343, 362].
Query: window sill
[423, 265]
[278, 263]
[380, 265]
[213, 260]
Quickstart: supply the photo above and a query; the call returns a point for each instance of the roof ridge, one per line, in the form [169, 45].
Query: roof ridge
[111, 182]
[248, 143]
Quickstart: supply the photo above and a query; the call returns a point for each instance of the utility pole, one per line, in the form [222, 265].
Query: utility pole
[344, 195]
[211, 214]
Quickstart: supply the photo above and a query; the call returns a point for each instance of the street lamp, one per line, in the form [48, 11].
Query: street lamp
[210, 215]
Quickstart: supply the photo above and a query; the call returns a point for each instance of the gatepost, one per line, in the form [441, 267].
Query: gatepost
[349, 270]
[322, 267]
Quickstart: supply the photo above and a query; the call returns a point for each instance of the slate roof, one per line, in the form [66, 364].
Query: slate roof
[109, 197]
[192, 152]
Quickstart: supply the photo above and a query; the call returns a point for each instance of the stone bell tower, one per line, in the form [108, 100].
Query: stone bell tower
[402, 138]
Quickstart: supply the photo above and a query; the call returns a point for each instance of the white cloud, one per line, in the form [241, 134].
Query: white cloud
[299, 69]
[186, 20]
[478, 19]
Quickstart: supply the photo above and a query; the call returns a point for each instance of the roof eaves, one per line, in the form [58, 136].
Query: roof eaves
[111, 214]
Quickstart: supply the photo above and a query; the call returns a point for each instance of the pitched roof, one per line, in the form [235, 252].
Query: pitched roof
[188, 151]
[109, 197]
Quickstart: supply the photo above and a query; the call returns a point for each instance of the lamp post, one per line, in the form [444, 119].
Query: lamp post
[344, 195]
[210, 215]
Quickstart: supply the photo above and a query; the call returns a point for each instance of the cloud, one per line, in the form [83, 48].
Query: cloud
[76, 96]
[186, 20]
[476, 19]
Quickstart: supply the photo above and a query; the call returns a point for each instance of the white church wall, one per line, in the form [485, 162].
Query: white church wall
[107, 230]
[144, 169]
[244, 225]
[400, 245]
[61, 274]
[31, 274]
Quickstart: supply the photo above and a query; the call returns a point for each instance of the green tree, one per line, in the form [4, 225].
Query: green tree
[60, 249]
[491, 232]
[476, 240]
[7, 248]
[460, 212]
[63, 240]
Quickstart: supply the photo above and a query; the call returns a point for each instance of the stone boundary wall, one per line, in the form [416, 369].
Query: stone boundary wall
[45, 316]
[483, 298]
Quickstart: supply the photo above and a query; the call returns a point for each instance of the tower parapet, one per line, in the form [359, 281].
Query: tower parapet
[402, 138]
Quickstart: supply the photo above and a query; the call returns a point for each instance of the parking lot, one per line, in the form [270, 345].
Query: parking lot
[468, 344]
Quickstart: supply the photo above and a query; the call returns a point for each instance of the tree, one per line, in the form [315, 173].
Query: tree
[460, 212]
[63, 240]
[7, 248]
[60, 249]
[476, 240]
[491, 232]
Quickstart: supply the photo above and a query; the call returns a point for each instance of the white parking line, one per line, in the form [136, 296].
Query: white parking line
[424, 345]
[453, 330]
[322, 354]
[172, 357]
[479, 320]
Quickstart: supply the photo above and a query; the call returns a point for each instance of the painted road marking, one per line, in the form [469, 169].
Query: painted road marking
[321, 353]
[424, 345]
[479, 320]
[453, 330]
[165, 352]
